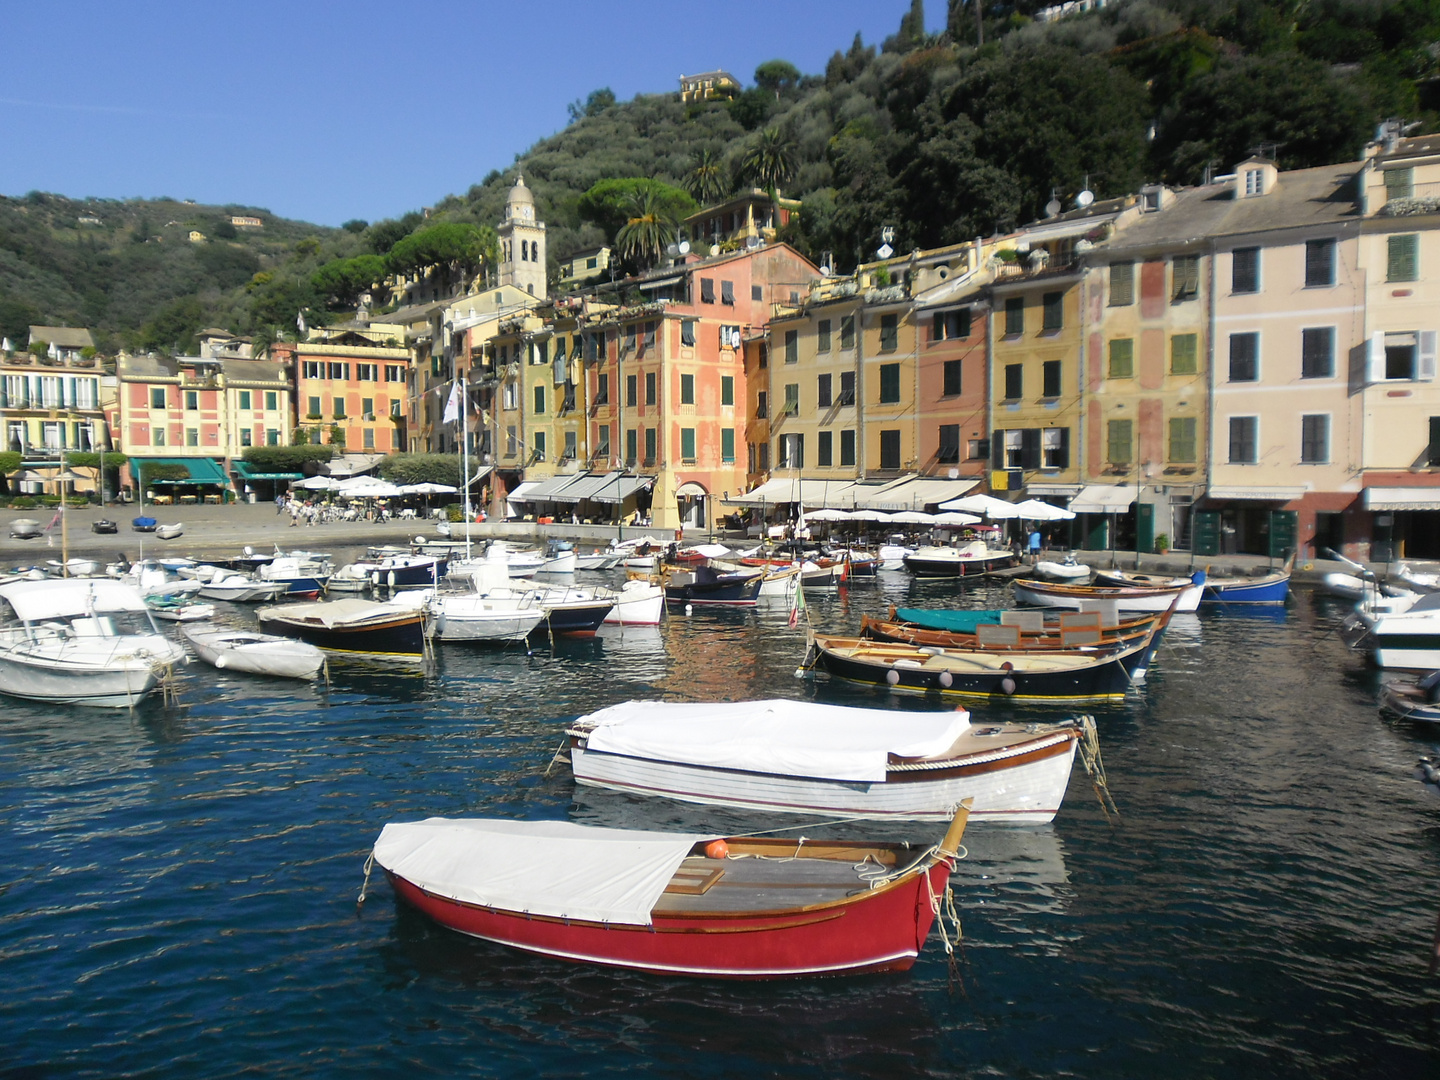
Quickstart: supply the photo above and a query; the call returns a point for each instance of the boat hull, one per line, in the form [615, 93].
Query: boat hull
[117, 684]
[257, 654]
[638, 607]
[1075, 597]
[403, 635]
[729, 593]
[1023, 788]
[1098, 680]
[1266, 591]
[882, 929]
[937, 565]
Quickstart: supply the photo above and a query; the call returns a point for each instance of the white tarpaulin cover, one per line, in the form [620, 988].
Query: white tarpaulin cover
[787, 738]
[541, 867]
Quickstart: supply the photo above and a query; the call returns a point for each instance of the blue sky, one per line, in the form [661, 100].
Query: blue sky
[331, 111]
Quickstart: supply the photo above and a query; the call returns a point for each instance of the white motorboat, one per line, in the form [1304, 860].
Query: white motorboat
[1069, 570]
[159, 577]
[479, 617]
[179, 609]
[637, 603]
[1399, 633]
[974, 557]
[257, 654]
[305, 573]
[86, 641]
[236, 587]
[811, 758]
[598, 560]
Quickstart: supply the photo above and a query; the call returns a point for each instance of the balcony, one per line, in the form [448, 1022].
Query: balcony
[1422, 199]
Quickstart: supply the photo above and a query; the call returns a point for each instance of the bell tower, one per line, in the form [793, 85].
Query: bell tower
[522, 242]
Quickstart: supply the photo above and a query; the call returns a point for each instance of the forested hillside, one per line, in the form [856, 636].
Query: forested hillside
[940, 136]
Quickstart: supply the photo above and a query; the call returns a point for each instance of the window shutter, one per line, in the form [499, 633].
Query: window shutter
[997, 449]
[1062, 452]
[937, 330]
[1375, 358]
[1400, 262]
[1030, 448]
[1425, 368]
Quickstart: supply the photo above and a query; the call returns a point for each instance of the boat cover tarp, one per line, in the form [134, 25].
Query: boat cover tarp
[37, 600]
[550, 868]
[957, 622]
[788, 738]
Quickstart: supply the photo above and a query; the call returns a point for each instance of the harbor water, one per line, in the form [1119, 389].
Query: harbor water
[178, 896]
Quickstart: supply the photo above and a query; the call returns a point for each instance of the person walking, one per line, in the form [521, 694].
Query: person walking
[1034, 546]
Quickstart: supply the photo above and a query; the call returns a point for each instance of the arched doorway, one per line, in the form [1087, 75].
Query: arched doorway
[690, 499]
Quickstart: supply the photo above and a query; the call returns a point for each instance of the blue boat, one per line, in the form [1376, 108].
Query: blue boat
[1265, 589]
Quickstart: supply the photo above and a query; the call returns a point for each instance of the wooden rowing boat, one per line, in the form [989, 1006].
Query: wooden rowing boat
[813, 758]
[675, 903]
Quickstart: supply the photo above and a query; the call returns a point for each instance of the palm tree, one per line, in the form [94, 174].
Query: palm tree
[770, 162]
[647, 230]
[706, 179]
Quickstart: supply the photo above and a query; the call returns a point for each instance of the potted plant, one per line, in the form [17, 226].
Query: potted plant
[1162, 544]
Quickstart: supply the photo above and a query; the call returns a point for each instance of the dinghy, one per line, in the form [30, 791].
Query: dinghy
[257, 654]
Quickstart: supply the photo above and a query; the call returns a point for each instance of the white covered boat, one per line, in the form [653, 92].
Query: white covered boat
[1070, 570]
[88, 641]
[179, 609]
[479, 617]
[637, 603]
[806, 757]
[219, 584]
[255, 653]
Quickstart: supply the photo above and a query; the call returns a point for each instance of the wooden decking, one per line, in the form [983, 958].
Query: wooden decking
[758, 885]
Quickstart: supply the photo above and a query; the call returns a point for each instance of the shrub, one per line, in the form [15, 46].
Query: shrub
[23, 502]
[286, 458]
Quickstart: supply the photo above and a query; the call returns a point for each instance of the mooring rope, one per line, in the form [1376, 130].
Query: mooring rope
[1095, 765]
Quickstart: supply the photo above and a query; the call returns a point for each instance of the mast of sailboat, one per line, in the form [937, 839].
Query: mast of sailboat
[64, 533]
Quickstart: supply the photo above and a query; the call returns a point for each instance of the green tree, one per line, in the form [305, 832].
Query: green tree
[610, 203]
[769, 161]
[775, 76]
[648, 229]
[460, 245]
[355, 225]
[595, 104]
[384, 235]
[223, 229]
[421, 469]
[706, 180]
[341, 281]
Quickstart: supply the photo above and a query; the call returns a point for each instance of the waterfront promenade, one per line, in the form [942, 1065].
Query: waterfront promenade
[219, 530]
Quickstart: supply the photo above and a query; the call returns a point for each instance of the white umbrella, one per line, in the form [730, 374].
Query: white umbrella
[952, 519]
[867, 515]
[991, 507]
[1035, 510]
[913, 517]
[318, 483]
[428, 489]
[828, 514]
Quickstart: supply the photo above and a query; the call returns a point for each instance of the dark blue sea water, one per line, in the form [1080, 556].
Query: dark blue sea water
[178, 890]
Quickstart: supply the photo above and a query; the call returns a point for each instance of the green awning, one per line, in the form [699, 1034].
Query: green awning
[202, 470]
[246, 471]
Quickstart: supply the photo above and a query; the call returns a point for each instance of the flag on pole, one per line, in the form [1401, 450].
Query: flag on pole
[797, 604]
[452, 406]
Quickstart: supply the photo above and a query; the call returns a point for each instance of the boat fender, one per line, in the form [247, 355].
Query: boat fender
[390, 579]
[717, 849]
[220, 661]
[946, 679]
[1007, 684]
[689, 609]
[892, 676]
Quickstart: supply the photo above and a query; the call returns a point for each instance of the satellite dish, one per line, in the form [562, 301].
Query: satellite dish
[885, 251]
[684, 247]
[1052, 208]
[672, 250]
[752, 242]
[1085, 198]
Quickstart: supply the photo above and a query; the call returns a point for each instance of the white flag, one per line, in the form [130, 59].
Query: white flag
[452, 407]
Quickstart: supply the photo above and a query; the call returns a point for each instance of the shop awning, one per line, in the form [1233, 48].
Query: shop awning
[584, 487]
[913, 493]
[622, 488]
[246, 471]
[1406, 498]
[1104, 499]
[202, 470]
[1256, 494]
[546, 490]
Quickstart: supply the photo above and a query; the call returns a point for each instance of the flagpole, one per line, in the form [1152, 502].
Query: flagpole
[463, 424]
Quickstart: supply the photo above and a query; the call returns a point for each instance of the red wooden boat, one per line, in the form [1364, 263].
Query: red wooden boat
[765, 908]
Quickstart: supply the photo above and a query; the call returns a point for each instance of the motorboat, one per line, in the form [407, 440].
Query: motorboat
[637, 603]
[85, 641]
[811, 758]
[371, 628]
[256, 654]
[1396, 632]
[179, 609]
[598, 560]
[973, 557]
[479, 617]
[1070, 570]
[104, 526]
[392, 571]
[675, 903]
[1039, 677]
[305, 573]
[157, 577]
[220, 584]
